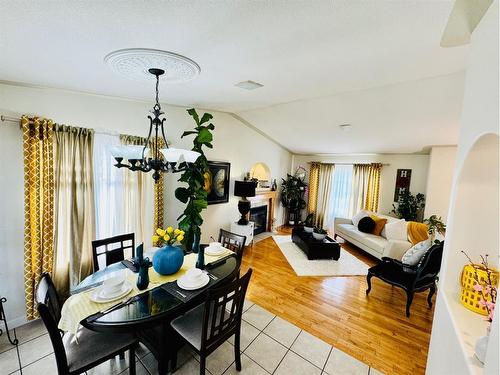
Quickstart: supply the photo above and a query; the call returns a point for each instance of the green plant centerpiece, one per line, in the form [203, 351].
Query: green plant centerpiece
[409, 206]
[308, 223]
[194, 194]
[293, 189]
[319, 233]
[436, 225]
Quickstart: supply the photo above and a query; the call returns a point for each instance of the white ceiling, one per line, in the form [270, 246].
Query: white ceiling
[299, 50]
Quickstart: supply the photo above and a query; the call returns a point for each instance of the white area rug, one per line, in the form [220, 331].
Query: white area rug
[347, 265]
[261, 236]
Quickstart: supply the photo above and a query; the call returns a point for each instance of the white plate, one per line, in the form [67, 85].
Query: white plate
[96, 296]
[205, 279]
[210, 251]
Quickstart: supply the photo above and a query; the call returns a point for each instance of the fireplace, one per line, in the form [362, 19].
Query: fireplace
[259, 216]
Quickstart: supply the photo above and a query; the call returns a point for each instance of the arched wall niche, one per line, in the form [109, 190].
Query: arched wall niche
[474, 225]
[261, 172]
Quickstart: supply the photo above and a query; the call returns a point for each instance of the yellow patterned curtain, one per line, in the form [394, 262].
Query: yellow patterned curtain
[138, 198]
[373, 192]
[38, 205]
[312, 199]
[158, 189]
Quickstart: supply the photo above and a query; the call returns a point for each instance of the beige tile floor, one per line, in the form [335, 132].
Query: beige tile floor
[270, 345]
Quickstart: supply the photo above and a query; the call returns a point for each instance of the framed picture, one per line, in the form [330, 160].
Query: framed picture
[403, 179]
[217, 182]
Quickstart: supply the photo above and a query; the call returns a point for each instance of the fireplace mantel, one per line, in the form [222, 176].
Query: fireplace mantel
[270, 197]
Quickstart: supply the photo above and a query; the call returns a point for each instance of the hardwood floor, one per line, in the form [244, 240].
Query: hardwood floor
[373, 329]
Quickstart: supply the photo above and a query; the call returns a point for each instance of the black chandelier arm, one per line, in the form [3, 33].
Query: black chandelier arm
[148, 137]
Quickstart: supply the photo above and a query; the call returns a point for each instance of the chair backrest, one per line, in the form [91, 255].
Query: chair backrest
[112, 250]
[430, 264]
[233, 242]
[223, 310]
[49, 309]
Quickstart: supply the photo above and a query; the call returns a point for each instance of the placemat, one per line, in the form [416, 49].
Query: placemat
[186, 295]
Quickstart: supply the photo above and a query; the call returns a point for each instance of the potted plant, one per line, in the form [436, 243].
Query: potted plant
[292, 196]
[168, 259]
[319, 233]
[436, 225]
[308, 223]
[194, 195]
[409, 206]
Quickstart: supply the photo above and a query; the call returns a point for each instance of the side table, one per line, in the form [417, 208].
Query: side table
[244, 230]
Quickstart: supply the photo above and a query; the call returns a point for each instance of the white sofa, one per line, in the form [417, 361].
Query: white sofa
[377, 246]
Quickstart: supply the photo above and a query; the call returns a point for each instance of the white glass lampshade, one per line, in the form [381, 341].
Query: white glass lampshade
[172, 155]
[135, 151]
[118, 151]
[190, 156]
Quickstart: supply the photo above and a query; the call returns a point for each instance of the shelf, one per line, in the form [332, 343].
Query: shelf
[469, 327]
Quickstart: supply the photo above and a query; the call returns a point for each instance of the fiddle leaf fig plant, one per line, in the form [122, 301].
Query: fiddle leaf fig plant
[194, 195]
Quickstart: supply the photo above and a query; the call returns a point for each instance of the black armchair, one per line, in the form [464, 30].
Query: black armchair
[412, 279]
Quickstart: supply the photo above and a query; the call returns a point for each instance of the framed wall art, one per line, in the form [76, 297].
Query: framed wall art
[217, 182]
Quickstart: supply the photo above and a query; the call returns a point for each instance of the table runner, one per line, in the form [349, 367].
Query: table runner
[79, 306]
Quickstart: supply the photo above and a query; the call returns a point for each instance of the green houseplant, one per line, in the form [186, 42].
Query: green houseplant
[319, 233]
[409, 206]
[308, 223]
[194, 194]
[292, 195]
[436, 225]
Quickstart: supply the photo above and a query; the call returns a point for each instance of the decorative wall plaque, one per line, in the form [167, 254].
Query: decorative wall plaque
[403, 178]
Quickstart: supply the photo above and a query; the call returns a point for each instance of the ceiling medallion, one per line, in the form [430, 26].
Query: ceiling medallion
[134, 63]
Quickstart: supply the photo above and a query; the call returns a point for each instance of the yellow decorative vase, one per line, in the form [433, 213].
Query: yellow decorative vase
[468, 296]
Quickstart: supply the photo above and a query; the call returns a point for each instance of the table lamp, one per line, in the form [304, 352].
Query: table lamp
[244, 189]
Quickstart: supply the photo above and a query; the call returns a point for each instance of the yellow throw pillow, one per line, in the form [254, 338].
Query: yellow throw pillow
[379, 224]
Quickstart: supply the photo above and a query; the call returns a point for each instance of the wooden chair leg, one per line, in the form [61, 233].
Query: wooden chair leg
[203, 361]
[432, 290]
[131, 360]
[369, 282]
[237, 354]
[409, 299]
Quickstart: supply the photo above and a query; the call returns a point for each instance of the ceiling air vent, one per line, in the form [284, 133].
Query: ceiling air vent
[249, 85]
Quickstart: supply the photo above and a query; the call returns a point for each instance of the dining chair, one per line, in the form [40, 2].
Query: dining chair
[92, 348]
[233, 242]
[112, 249]
[210, 324]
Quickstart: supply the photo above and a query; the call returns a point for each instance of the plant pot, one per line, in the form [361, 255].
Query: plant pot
[291, 222]
[168, 260]
[318, 236]
[308, 229]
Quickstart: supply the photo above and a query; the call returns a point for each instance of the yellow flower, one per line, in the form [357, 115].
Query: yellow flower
[180, 238]
[177, 231]
[170, 230]
[156, 238]
[181, 233]
[166, 237]
[160, 232]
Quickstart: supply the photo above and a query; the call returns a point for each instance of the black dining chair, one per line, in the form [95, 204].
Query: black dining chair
[112, 249]
[208, 325]
[411, 279]
[92, 348]
[233, 242]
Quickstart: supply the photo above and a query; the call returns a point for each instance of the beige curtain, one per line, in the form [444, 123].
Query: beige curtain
[312, 195]
[359, 191]
[38, 205]
[74, 206]
[373, 190]
[138, 199]
[325, 173]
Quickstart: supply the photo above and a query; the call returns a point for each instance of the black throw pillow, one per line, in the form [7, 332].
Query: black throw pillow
[366, 224]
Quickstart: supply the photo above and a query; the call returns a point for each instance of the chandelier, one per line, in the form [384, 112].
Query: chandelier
[149, 157]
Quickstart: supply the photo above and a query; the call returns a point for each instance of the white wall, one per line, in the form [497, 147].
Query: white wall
[441, 167]
[234, 142]
[417, 163]
[475, 188]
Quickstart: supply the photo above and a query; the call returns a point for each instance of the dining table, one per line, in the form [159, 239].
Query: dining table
[146, 314]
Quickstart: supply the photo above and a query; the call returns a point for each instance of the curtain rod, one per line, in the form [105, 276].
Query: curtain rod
[4, 118]
[320, 162]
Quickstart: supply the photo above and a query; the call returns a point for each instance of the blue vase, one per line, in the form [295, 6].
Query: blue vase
[168, 259]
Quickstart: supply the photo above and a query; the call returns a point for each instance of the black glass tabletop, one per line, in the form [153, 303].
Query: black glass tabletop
[148, 308]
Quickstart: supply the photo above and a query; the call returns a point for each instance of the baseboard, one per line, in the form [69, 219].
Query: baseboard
[16, 322]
